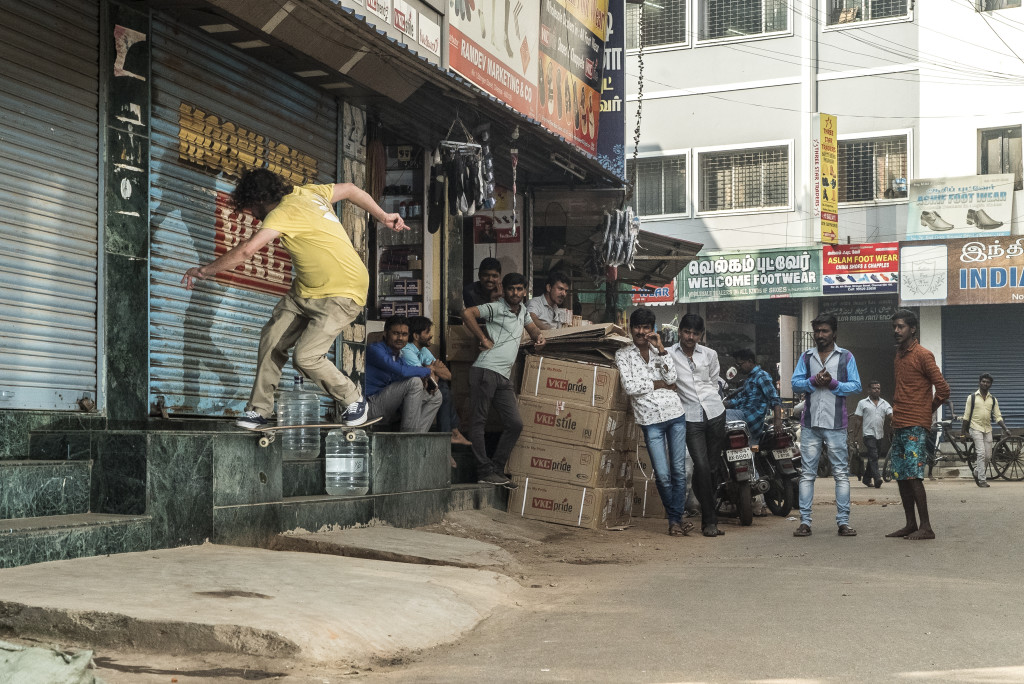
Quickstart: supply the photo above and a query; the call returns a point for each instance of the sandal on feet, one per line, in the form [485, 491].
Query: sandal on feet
[675, 530]
[846, 531]
[803, 531]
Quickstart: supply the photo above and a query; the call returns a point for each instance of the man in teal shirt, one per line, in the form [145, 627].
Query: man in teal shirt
[489, 382]
[417, 353]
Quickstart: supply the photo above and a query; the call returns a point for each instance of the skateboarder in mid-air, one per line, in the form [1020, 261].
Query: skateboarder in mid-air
[329, 284]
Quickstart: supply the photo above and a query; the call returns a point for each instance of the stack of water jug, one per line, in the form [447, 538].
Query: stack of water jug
[348, 452]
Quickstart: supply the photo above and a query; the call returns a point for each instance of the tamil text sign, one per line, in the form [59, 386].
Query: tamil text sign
[965, 207]
[982, 271]
[754, 274]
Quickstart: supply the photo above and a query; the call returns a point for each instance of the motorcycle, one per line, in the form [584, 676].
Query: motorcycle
[776, 457]
[735, 474]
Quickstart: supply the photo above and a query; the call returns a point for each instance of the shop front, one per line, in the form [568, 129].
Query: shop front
[969, 292]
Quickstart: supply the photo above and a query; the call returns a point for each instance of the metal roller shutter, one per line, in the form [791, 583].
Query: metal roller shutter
[49, 203]
[215, 111]
[984, 339]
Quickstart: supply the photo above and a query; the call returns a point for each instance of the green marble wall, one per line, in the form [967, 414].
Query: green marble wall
[125, 102]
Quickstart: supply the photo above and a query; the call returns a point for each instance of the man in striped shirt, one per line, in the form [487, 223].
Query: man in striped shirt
[913, 405]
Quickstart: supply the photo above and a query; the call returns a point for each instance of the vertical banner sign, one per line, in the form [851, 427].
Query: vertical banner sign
[494, 45]
[859, 269]
[826, 176]
[611, 143]
[969, 206]
[572, 35]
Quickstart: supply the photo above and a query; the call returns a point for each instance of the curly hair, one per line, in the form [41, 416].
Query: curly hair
[258, 186]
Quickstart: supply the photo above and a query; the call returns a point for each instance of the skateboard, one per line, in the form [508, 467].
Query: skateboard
[268, 436]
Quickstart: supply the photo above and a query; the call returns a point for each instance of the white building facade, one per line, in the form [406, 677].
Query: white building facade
[920, 89]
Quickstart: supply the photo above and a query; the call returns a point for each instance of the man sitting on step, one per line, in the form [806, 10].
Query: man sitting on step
[394, 388]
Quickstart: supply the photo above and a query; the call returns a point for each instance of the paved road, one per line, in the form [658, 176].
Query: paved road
[760, 605]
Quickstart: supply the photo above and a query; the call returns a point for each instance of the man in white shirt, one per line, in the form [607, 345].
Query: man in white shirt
[545, 309]
[697, 375]
[872, 412]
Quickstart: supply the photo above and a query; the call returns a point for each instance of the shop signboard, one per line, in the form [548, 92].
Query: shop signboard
[611, 144]
[497, 50]
[430, 34]
[989, 270]
[404, 19]
[753, 274]
[655, 294]
[825, 150]
[859, 269]
[964, 207]
[572, 35]
[872, 308]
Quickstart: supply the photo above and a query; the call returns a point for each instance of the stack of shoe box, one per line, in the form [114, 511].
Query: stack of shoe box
[571, 462]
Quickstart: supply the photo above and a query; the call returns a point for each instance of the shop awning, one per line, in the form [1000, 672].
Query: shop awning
[335, 48]
[566, 224]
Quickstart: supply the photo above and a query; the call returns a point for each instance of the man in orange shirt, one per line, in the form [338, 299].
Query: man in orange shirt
[913, 406]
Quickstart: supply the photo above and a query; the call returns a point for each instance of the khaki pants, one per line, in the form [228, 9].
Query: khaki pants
[311, 326]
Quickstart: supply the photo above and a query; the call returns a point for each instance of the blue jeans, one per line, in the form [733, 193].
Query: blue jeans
[666, 443]
[811, 439]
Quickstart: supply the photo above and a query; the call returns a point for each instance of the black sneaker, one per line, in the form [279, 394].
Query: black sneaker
[497, 479]
[355, 414]
[251, 420]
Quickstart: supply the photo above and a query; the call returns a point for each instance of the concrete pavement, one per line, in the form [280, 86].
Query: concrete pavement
[304, 606]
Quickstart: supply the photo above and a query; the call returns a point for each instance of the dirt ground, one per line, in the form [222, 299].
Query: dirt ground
[553, 563]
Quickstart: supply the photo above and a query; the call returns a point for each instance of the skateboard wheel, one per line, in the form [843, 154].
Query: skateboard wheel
[264, 442]
[350, 436]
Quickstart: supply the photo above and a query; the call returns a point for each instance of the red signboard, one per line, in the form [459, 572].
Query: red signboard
[269, 270]
[859, 269]
[478, 64]
[655, 294]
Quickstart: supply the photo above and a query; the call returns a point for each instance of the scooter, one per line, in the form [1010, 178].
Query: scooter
[777, 454]
[735, 474]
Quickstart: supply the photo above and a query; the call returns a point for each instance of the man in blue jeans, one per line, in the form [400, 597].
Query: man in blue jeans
[825, 375]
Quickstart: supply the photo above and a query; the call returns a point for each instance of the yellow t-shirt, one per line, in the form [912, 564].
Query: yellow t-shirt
[324, 263]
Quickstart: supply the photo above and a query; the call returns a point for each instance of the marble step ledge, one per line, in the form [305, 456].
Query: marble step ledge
[24, 541]
[34, 488]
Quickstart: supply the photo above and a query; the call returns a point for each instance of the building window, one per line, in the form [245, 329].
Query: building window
[737, 18]
[873, 168]
[664, 23]
[999, 151]
[991, 5]
[851, 11]
[744, 179]
[660, 185]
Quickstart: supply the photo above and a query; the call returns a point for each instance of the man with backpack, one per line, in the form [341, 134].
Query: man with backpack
[980, 411]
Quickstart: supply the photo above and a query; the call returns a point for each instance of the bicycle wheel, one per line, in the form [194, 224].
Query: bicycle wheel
[1008, 454]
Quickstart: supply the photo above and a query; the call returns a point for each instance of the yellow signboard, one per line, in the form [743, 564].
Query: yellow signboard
[829, 179]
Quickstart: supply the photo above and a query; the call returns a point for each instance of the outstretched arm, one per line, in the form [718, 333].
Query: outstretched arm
[360, 198]
[237, 255]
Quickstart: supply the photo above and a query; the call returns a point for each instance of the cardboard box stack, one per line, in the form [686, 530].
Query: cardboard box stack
[573, 463]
